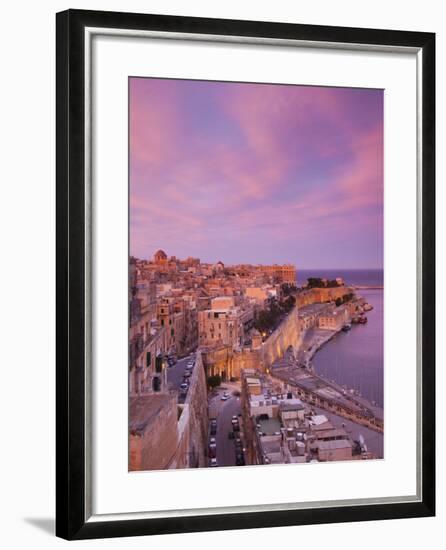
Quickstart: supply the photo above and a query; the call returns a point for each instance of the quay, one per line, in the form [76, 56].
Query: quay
[319, 392]
[368, 287]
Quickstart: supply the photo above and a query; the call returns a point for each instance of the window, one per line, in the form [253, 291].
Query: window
[148, 359]
[159, 363]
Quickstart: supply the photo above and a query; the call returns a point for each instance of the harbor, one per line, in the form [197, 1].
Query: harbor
[326, 394]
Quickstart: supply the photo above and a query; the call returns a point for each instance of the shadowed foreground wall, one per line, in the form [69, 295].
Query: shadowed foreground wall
[165, 435]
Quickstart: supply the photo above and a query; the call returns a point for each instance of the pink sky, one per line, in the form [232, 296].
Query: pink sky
[256, 173]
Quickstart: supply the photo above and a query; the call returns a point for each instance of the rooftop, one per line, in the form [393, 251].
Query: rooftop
[334, 433]
[291, 405]
[253, 381]
[269, 427]
[333, 445]
[318, 419]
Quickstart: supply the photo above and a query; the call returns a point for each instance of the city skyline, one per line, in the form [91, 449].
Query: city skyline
[149, 258]
[257, 173]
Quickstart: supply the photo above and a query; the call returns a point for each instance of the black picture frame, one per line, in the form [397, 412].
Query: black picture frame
[71, 520]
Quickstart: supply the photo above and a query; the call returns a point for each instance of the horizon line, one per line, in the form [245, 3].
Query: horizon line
[274, 263]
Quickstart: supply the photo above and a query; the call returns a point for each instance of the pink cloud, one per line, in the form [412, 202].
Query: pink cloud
[281, 160]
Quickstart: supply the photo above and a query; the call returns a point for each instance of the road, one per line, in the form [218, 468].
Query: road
[223, 412]
[175, 375]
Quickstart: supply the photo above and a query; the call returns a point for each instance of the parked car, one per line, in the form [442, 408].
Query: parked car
[231, 435]
[184, 386]
[186, 374]
[239, 459]
[213, 462]
[213, 450]
[213, 429]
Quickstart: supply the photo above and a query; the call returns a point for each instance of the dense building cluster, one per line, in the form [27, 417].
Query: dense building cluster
[280, 428]
[199, 331]
[176, 309]
[178, 305]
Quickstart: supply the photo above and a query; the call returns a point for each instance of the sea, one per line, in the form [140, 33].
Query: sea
[356, 358]
[360, 277]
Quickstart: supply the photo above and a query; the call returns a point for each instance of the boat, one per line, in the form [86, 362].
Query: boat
[346, 327]
[367, 307]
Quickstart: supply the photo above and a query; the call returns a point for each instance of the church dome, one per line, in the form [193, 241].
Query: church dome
[160, 255]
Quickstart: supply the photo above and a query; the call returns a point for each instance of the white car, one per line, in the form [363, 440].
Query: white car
[224, 397]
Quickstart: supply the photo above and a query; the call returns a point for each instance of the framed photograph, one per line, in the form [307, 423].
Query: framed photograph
[245, 274]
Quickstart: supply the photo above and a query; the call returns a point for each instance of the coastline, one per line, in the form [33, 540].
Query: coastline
[318, 343]
[313, 340]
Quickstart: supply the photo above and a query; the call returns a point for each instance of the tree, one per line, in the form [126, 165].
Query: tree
[289, 303]
[214, 381]
[288, 288]
[315, 282]
[339, 302]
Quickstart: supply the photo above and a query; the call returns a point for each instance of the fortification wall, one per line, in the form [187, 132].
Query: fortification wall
[197, 404]
[229, 363]
[152, 447]
[287, 334]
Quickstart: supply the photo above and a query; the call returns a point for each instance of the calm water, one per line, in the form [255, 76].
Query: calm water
[355, 358]
[360, 277]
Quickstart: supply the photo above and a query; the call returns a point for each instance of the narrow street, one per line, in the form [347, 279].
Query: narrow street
[223, 412]
[175, 374]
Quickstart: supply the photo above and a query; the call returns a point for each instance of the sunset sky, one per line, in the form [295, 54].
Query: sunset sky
[256, 173]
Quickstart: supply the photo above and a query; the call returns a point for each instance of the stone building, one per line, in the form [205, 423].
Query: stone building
[160, 257]
[221, 325]
[280, 273]
[334, 319]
